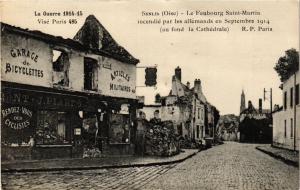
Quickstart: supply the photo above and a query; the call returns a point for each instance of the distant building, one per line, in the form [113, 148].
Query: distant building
[286, 121]
[227, 128]
[191, 116]
[255, 125]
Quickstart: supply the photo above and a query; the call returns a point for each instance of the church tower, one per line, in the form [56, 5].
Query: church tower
[243, 102]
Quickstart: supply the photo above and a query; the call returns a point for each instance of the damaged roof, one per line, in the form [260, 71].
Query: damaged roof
[41, 36]
[180, 87]
[109, 49]
[94, 35]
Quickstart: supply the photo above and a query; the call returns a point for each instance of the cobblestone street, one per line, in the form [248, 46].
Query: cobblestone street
[228, 166]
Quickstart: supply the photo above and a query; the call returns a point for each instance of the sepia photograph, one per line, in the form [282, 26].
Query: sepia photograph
[150, 95]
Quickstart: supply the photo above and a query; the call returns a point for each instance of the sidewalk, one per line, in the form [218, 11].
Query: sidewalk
[288, 156]
[94, 163]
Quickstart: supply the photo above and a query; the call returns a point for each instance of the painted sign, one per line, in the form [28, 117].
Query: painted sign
[25, 60]
[46, 100]
[118, 80]
[17, 124]
[16, 117]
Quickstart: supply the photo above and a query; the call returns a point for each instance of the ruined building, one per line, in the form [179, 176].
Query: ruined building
[63, 97]
[193, 116]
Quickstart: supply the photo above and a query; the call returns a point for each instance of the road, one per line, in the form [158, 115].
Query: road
[232, 166]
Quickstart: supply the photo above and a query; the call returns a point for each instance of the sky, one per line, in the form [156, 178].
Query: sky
[225, 62]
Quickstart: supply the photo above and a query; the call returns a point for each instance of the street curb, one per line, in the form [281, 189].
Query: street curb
[99, 167]
[278, 157]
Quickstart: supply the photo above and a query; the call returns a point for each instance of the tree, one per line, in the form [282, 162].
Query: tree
[288, 64]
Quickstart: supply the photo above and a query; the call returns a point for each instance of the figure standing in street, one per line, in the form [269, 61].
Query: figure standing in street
[141, 127]
[156, 120]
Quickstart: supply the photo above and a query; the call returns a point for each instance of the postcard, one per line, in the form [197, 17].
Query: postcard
[164, 94]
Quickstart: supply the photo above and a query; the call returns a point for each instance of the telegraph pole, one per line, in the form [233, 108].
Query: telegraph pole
[271, 108]
[294, 104]
[270, 99]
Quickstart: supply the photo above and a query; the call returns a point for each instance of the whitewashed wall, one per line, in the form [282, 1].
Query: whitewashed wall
[279, 117]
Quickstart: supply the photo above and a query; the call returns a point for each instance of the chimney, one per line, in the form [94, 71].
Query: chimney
[197, 85]
[173, 78]
[249, 104]
[178, 73]
[188, 85]
[260, 105]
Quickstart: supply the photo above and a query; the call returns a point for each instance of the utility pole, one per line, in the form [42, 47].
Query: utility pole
[294, 104]
[271, 109]
[270, 99]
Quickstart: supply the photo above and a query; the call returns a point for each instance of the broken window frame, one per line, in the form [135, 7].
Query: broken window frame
[61, 70]
[47, 131]
[94, 78]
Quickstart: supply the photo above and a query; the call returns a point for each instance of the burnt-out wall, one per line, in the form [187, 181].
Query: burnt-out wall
[27, 60]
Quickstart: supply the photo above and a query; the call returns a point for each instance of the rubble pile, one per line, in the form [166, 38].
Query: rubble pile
[161, 139]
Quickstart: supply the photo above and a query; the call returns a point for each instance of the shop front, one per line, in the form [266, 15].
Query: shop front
[121, 130]
[108, 127]
[39, 124]
[110, 113]
[63, 100]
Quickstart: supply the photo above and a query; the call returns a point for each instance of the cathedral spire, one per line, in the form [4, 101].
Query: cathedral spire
[243, 102]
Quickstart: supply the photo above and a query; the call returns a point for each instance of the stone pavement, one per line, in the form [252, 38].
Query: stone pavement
[115, 178]
[288, 156]
[232, 166]
[93, 163]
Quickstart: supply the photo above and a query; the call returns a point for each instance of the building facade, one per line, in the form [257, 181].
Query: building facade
[62, 96]
[227, 128]
[286, 121]
[187, 108]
